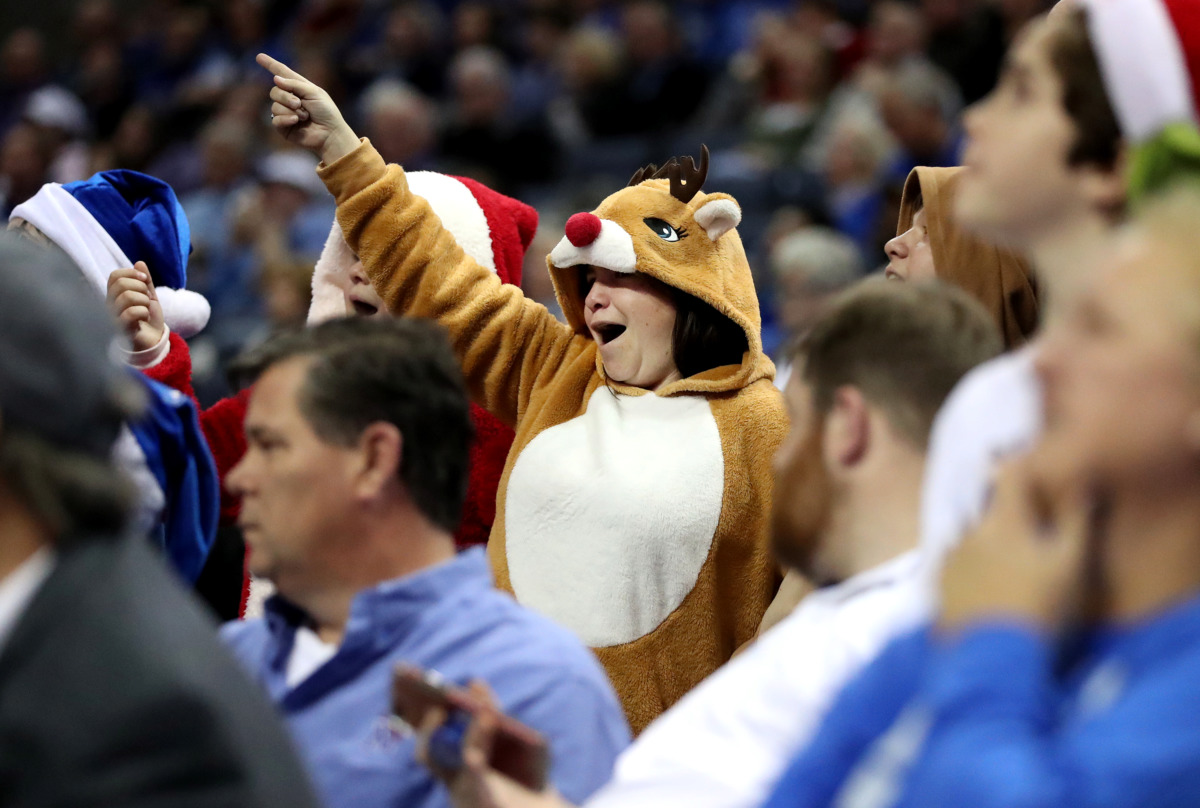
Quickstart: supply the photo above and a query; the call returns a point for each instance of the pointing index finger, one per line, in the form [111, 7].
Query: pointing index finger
[277, 67]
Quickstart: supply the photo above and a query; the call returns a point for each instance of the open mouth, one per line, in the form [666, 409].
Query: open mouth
[363, 309]
[609, 332]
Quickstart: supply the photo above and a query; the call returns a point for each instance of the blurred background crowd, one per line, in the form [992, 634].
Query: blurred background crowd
[815, 111]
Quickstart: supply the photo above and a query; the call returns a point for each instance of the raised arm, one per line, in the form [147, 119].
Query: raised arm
[507, 344]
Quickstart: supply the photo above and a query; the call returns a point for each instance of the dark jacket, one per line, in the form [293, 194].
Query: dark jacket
[115, 691]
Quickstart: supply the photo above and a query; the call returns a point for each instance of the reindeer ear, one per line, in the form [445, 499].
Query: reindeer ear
[718, 215]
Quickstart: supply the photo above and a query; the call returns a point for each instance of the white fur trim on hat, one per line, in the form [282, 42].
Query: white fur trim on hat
[185, 312]
[613, 249]
[453, 203]
[1143, 65]
[331, 279]
[459, 211]
[67, 223]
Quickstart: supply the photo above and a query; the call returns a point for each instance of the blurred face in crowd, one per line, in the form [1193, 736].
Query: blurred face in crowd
[361, 298]
[801, 504]
[296, 488]
[800, 304]
[481, 92]
[1121, 377]
[632, 319]
[1017, 181]
[646, 27]
[910, 257]
[896, 30]
[401, 130]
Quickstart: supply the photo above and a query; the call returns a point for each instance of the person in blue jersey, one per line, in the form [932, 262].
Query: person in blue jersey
[1062, 667]
[352, 484]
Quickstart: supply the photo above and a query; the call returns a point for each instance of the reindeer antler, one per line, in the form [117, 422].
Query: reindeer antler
[650, 172]
[686, 179]
[641, 174]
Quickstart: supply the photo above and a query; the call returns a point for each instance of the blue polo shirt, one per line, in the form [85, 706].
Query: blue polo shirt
[447, 618]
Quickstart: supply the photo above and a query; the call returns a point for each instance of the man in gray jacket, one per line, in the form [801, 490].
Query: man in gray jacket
[113, 687]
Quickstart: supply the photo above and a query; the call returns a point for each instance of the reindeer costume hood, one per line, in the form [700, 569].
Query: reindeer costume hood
[637, 519]
[995, 276]
[664, 226]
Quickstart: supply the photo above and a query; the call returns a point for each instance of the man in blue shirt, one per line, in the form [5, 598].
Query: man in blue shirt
[353, 479]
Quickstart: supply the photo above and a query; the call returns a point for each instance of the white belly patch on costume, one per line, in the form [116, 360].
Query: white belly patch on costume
[610, 516]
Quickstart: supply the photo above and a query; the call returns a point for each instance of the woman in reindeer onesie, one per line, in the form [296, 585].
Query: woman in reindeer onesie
[633, 506]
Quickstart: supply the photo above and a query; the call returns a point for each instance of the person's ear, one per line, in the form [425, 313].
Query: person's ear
[380, 450]
[847, 428]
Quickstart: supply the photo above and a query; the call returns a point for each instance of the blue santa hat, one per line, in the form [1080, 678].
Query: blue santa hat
[114, 218]
[144, 217]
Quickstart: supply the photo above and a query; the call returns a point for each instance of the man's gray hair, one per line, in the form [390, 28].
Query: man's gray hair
[925, 85]
[828, 260]
[73, 493]
[62, 409]
[485, 60]
[392, 94]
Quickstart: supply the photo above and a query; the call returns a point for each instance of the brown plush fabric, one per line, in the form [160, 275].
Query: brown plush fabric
[539, 375]
[997, 277]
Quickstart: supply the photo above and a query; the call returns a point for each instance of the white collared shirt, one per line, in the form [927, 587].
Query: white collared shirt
[725, 743]
[309, 652]
[19, 586]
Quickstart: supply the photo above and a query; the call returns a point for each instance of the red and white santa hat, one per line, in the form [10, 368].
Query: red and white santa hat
[1149, 54]
[492, 228]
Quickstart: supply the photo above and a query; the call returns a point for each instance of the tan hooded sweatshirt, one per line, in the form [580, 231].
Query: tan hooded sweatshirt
[637, 519]
[997, 277]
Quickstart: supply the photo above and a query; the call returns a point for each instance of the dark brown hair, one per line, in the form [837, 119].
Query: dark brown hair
[703, 338]
[903, 345]
[399, 370]
[1085, 98]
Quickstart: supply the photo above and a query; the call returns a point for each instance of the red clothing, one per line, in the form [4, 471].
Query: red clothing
[222, 422]
[223, 427]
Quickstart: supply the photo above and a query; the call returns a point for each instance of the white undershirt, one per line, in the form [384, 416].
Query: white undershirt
[19, 586]
[309, 652]
[727, 741]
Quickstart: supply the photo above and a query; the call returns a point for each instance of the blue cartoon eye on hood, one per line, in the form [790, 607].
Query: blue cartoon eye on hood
[664, 230]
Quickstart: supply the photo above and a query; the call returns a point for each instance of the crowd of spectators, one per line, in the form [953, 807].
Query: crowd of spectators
[940, 548]
[815, 110]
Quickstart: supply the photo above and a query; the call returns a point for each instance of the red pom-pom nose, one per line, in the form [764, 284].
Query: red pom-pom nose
[583, 229]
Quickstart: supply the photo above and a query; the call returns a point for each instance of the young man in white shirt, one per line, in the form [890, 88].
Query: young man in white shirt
[1096, 105]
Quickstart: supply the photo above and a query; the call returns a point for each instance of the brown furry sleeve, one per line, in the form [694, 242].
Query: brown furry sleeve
[504, 341]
